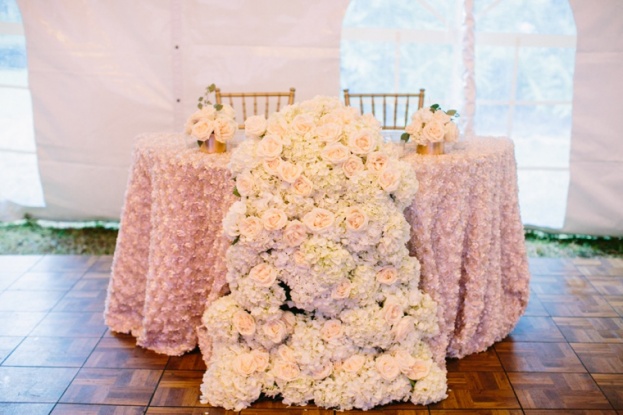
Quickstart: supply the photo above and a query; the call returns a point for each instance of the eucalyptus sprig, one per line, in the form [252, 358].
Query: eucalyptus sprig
[205, 98]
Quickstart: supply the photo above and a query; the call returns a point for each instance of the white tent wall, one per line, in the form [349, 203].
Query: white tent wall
[102, 72]
[595, 199]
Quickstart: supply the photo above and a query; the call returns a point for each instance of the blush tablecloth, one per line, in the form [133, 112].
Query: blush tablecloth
[466, 232]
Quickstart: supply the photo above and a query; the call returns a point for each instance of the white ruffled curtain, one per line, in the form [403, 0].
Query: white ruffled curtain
[102, 72]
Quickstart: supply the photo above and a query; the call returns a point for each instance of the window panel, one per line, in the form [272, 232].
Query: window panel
[494, 72]
[545, 74]
[367, 66]
[492, 120]
[525, 16]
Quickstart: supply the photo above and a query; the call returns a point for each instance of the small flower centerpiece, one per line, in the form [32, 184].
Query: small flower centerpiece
[212, 125]
[430, 128]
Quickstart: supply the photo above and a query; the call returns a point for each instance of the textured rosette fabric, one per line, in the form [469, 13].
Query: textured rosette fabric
[324, 303]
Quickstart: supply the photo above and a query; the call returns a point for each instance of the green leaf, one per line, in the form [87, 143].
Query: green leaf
[451, 112]
[235, 241]
[236, 193]
[211, 88]
[218, 107]
[434, 107]
[405, 137]
[199, 142]
[199, 106]
[200, 99]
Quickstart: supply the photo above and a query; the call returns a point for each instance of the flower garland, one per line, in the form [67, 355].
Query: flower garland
[432, 125]
[324, 301]
[217, 119]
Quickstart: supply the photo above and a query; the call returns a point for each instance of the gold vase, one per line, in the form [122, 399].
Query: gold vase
[431, 149]
[211, 146]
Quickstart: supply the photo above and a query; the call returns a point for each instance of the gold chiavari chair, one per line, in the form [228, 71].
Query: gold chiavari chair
[254, 103]
[393, 110]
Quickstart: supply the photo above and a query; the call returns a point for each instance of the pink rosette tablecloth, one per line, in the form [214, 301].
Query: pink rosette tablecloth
[169, 258]
[169, 261]
[467, 233]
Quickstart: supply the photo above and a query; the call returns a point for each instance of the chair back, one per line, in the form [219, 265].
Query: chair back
[391, 109]
[254, 103]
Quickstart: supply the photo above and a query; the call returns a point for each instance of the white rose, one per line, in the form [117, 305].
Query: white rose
[341, 290]
[387, 275]
[302, 186]
[295, 233]
[277, 125]
[415, 128]
[192, 120]
[433, 131]
[387, 367]
[354, 363]
[423, 115]
[263, 274]
[202, 129]
[329, 133]
[362, 142]
[272, 165]
[245, 183]
[250, 227]
[376, 161]
[289, 172]
[324, 372]
[352, 166]
[319, 220]
[441, 116]
[244, 364]
[404, 360]
[286, 353]
[208, 112]
[405, 326]
[274, 219]
[331, 330]
[392, 311]
[287, 371]
[302, 123]
[336, 153]
[419, 370]
[255, 126]
[370, 121]
[356, 219]
[275, 330]
[224, 129]
[269, 147]
[244, 323]
[226, 111]
[261, 358]
[451, 132]
[331, 118]
[389, 179]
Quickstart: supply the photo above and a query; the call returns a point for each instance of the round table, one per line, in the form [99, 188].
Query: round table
[466, 232]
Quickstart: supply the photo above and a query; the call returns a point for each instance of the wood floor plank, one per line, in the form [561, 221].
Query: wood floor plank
[538, 357]
[178, 388]
[112, 387]
[557, 391]
[600, 357]
[78, 409]
[612, 387]
[478, 390]
[120, 351]
[591, 330]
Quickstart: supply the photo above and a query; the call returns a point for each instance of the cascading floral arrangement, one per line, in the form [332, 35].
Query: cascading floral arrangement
[324, 301]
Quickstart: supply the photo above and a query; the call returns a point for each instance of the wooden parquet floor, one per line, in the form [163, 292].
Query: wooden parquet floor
[565, 356]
